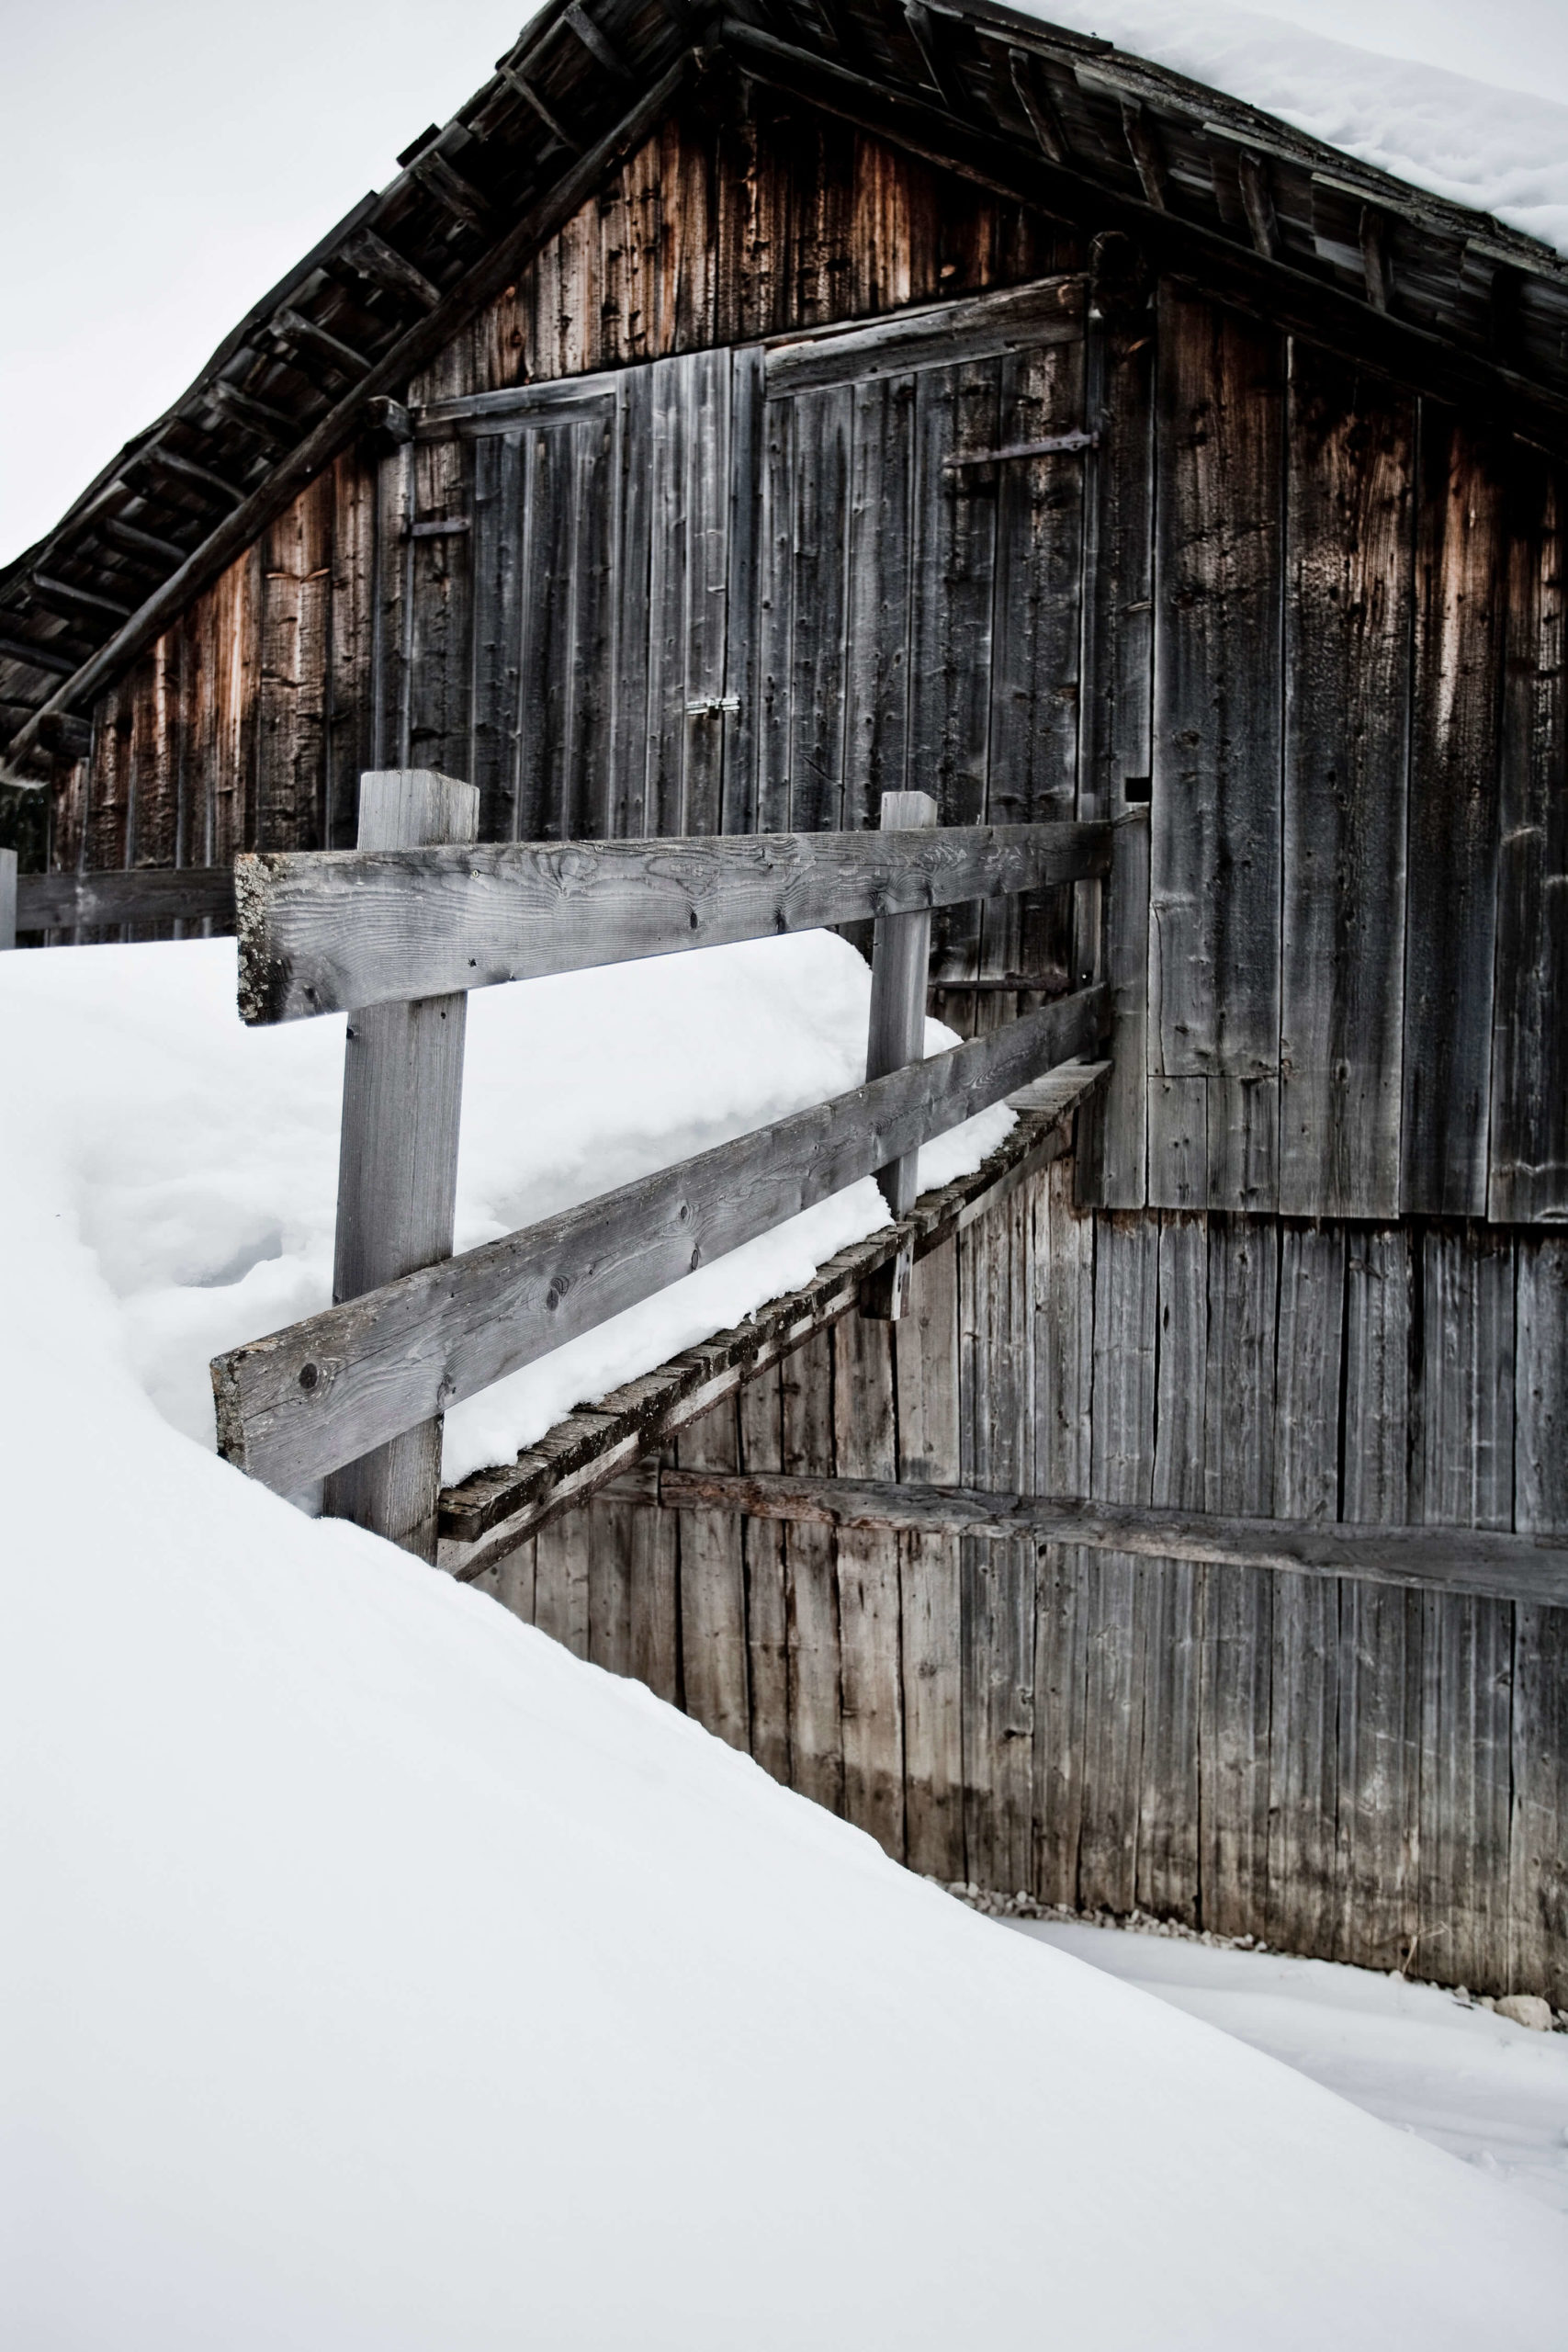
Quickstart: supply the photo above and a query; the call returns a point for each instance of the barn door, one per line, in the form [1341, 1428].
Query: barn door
[919, 598]
[754, 589]
[566, 597]
[496, 618]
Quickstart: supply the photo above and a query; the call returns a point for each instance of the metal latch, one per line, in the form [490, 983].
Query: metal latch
[1056, 445]
[701, 709]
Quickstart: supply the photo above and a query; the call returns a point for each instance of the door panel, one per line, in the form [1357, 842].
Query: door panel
[745, 590]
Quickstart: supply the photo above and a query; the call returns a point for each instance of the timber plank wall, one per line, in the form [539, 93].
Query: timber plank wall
[248, 725]
[1342, 1768]
[1311, 619]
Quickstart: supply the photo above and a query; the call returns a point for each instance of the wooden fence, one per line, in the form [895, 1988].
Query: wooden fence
[397, 931]
[74, 902]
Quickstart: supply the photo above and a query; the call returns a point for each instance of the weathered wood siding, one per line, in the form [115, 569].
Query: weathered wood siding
[1311, 619]
[1342, 1768]
[249, 723]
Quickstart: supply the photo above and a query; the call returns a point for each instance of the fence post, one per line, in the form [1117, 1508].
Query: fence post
[900, 959]
[7, 899]
[402, 1096]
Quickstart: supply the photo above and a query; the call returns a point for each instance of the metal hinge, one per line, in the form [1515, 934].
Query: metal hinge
[701, 709]
[1056, 445]
[437, 530]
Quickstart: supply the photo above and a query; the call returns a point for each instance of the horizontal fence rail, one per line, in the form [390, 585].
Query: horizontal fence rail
[139, 894]
[1452, 1559]
[306, 1400]
[341, 930]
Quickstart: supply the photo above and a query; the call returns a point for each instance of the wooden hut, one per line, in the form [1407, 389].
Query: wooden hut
[727, 417]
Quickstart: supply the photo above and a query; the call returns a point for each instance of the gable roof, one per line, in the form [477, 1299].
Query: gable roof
[1447, 297]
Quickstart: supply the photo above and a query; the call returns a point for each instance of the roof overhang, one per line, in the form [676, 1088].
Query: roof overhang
[1211, 189]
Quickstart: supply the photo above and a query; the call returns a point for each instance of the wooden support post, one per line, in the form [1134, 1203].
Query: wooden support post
[402, 1095]
[901, 958]
[7, 899]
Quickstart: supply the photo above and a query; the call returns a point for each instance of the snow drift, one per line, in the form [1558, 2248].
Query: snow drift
[201, 1158]
[378, 1976]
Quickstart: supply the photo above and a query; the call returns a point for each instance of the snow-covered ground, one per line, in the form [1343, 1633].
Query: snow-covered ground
[1457, 2074]
[199, 1159]
[376, 1976]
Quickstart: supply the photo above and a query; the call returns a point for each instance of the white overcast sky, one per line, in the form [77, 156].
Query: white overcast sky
[165, 161]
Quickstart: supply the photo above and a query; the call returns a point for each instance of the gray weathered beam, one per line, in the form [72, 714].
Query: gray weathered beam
[139, 894]
[306, 1399]
[1257, 203]
[325, 930]
[1451, 1559]
[7, 899]
[1038, 110]
[1144, 145]
[396, 1187]
[1375, 263]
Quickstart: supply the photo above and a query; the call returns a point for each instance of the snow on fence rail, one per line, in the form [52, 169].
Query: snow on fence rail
[397, 931]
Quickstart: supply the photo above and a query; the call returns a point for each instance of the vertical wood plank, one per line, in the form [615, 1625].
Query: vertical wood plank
[815, 1733]
[1348, 611]
[1450, 919]
[439, 575]
[561, 1582]
[767, 1582]
[350, 715]
[737, 808]
[997, 1578]
[392, 649]
[881, 522]
[1126, 1277]
[632, 463]
[512, 1580]
[1236, 1606]
[654, 1630]
[775, 626]
[1036, 632]
[818, 511]
[869, 1665]
[925, 1344]
[1527, 1168]
[1538, 1838]
[953, 556]
[1166, 1592]
[713, 1588]
[1115, 754]
[1062, 1330]
[1215, 848]
[1461, 1475]
[500, 552]
[901, 958]
[612, 1569]
[1305, 1714]
[1378, 1819]
[402, 1094]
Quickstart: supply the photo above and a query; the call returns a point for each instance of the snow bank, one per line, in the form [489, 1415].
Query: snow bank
[199, 1159]
[1432, 2061]
[377, 1976]
[1496, 151]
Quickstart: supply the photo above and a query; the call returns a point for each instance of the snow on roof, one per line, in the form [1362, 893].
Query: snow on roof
[1493, 149]
[378, 1976]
